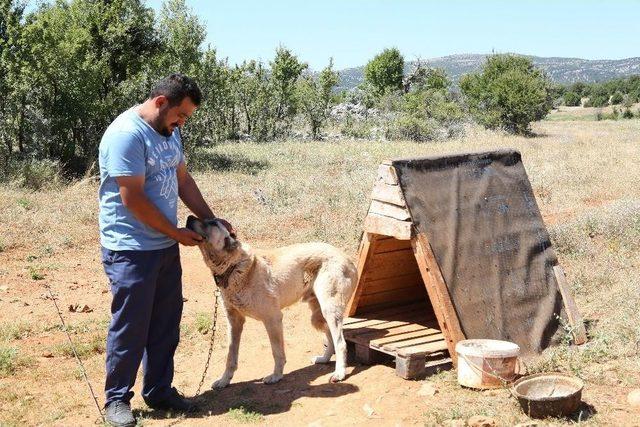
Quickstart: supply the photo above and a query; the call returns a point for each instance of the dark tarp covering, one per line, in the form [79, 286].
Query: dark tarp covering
[480, 216]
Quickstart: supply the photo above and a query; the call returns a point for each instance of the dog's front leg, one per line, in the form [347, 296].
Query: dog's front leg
[274, 330]
[236, 323]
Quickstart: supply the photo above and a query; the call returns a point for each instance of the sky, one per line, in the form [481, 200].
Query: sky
[354, 31]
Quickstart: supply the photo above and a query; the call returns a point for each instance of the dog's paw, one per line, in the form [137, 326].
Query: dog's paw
[272, 379]
[320, 359]
[221, 383]
[337, 377]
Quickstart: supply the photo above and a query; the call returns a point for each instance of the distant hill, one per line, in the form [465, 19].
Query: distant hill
[560, 70]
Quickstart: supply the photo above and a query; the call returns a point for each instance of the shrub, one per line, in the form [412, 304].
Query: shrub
[385, 71]
[508, 93]
[426, 115]
[617, 98]
[8, 360]
[599, 97]
[571, 99]
[627, 114]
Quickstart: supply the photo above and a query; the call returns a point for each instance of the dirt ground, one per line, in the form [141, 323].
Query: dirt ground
[371, 394]
[46, 387]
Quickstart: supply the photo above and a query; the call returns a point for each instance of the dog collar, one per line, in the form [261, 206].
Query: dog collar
[222, 279]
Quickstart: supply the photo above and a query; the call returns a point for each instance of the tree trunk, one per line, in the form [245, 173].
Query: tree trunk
[21, 126]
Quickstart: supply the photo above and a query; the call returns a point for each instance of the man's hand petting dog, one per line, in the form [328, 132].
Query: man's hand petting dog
[187, 237]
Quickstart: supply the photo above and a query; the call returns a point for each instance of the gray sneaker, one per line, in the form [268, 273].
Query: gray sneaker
[118, 414]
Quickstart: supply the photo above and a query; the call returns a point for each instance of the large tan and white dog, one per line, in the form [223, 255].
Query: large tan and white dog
[259, 284]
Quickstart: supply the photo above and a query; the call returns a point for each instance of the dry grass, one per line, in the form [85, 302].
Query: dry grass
[585, 175]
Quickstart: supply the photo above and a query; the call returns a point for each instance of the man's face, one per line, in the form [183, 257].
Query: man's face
[170, 117]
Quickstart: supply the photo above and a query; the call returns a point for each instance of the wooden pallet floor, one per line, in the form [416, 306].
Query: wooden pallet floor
[410, 333]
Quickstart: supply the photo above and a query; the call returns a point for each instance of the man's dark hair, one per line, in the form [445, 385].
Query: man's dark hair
[177, 87]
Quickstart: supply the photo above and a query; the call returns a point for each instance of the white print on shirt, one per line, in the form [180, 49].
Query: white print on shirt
[168, 156]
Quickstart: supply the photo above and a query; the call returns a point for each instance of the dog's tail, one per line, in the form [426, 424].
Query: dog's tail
[317, 319]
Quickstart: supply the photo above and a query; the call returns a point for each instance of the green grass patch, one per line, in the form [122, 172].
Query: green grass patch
[203, 323]
[35, 274]
[8, 361]
[245, 414]
[25, 203]
[85, 349]
[14, 331]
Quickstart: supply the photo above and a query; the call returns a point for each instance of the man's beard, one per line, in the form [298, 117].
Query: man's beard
[165, 131]
[161, 127]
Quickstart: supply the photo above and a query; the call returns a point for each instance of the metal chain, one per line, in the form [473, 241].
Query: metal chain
[213, 335]
[75, 353]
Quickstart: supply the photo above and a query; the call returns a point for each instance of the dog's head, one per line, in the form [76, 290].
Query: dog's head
[217, 239]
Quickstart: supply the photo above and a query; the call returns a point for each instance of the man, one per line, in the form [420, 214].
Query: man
[142, 174]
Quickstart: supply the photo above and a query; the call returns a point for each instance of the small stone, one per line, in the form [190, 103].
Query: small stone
[427, 389]
[455, 423]
[3, 288]
[371, 413]
[316, 423]
[633, 398]
[481, 421]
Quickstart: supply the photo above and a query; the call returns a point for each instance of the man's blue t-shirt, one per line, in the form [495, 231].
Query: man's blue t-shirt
[131, 147]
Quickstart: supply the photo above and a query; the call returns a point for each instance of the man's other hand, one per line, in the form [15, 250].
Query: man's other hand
[187, 237]
[228, 226]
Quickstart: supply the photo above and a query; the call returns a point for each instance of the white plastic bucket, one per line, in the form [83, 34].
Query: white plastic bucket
[486, 363]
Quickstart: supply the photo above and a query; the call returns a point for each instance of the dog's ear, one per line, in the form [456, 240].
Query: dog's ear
[194, 224]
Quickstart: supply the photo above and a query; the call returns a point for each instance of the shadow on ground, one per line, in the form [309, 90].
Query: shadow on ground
[256, 397]
[205, 160]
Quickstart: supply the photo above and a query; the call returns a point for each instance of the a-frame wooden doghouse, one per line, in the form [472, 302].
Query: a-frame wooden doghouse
[455, 247]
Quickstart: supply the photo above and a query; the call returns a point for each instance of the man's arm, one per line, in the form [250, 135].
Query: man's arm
[190, 193]
[134, 199]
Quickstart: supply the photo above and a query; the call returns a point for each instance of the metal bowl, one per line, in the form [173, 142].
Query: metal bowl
[548, 394]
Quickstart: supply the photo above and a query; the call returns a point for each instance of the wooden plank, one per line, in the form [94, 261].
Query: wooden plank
[438, 293]
[396, 295]
[392, 264]
[378, 224]
[410, 368]
[400, 317]
[367, 247]
[413, 321]
[391, 244]
[395, 282]
[423, 349]
[406, 334]
[388, 174]
[385, 314]
[388, 193]
[387, 209]
[365, 355]
[415, 341]
[575, 320]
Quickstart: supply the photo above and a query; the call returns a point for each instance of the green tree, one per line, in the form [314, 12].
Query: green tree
[315, 96]
[508, 93]
[181, 34]
[253, 100]
[79, 68]
[217, 119]
[12, 99]
[285, 71]
[571, 99]
[385, 71]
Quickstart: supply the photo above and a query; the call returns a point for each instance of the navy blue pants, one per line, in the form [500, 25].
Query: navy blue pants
[145, 321]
